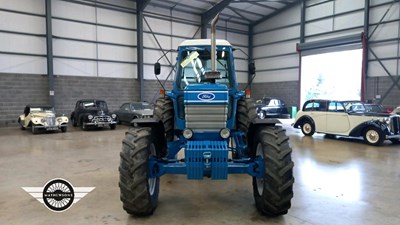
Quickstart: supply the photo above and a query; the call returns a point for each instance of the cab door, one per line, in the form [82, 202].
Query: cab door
[337, 119]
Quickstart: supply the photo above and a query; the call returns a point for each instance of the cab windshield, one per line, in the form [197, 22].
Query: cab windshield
[195, 63]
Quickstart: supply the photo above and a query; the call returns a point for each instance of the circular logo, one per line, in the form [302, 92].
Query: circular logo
[206, 96]
[58, 195]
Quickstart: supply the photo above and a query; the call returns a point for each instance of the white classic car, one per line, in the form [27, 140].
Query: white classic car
[347, 118]
[39, 117]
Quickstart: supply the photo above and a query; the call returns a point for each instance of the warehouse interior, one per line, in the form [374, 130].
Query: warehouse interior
[55, 52]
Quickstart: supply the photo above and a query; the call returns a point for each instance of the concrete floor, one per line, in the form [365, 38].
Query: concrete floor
[338, 181]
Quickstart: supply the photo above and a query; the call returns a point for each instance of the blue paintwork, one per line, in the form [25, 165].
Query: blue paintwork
[206, 153]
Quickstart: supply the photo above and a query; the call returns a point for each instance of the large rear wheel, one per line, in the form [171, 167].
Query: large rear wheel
[274, 191]
[139, 192]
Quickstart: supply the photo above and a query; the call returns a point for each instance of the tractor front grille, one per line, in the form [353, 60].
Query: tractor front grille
[206, 117]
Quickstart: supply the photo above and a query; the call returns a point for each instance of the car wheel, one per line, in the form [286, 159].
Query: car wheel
[34, 130]
[83, 126]
[113, 126]
[373, 136]
[19, 122]
[63, 129]
[74, 122]
[308, 128]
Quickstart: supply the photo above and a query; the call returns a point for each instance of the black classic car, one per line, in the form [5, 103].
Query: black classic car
[133, 110]
[271, 108]
[93, 113]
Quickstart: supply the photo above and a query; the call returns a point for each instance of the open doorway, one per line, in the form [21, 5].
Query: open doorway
[333, 75]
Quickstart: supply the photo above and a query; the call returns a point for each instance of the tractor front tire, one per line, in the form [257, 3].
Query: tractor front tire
[273, 192]
[139, 193]
[246, 113]
[164, 111]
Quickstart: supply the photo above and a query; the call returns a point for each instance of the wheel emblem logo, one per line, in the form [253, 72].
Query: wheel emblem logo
[58, 195]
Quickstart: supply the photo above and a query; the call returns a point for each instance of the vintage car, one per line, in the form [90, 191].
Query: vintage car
[268, 107]
[347, 118]
[133, 110]
[42, 117]
[93, 113]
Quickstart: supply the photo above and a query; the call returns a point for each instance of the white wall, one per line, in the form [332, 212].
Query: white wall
[90, 41]
[24, 34]
[275, 39]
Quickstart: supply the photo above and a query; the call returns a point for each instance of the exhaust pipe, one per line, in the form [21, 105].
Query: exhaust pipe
[213, 42]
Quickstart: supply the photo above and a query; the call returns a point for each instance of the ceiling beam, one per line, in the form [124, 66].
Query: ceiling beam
[210, 14]
[288, 6]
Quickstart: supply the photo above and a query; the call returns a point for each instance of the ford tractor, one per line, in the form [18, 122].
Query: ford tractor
[205, 127]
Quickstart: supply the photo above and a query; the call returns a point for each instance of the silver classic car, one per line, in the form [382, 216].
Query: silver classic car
[133, 110]
[347, 118]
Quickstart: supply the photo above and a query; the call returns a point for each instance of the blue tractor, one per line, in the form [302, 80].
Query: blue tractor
[205, 127]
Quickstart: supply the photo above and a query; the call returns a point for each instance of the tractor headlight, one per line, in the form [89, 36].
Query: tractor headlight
[114, 116]
[225, 133]
[90, 117]
[187, 133]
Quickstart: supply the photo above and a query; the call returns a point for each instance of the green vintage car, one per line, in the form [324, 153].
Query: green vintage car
[42, 117]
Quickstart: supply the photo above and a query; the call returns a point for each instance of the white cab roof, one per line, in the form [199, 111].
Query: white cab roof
[204, 42]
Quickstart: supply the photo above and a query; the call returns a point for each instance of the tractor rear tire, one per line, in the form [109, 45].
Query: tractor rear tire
[139, 193]
[246, 113]
[273, 192]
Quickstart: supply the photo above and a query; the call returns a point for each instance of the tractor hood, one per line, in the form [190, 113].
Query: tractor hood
[206, 94]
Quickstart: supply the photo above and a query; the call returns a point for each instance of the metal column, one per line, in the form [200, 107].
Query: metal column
[140, 6]
[49, 44]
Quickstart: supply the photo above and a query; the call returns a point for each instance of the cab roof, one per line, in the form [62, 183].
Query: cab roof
[204, 42]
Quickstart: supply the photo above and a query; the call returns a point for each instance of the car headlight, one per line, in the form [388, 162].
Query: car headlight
[109, 119]
[59, 120]
[187, 133]
[114, 116]
[225, 133]
[42, 120]
[386, 120]
[90, 117]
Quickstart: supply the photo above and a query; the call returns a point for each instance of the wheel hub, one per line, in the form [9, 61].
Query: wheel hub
[372, 136]
[260, 181]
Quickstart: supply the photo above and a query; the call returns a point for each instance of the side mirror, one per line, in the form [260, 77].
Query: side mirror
[252, 68]
[157, 68]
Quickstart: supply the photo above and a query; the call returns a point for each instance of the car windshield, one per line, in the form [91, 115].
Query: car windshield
[374, 108]
[42, 109]
[195, 63]
[95, 104]
[354, 106]
[141, 106]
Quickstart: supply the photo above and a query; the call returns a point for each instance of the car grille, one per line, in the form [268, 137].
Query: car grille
[51, 121]
[102, 118]
[206, 117]
[395, 124]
